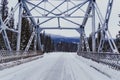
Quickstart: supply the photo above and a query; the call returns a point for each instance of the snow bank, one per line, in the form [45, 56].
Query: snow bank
[18, 62]
[105, 69]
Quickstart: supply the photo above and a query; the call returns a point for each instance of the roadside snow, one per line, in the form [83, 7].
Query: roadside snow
[105, 69]
[18, 62]
[60, 66]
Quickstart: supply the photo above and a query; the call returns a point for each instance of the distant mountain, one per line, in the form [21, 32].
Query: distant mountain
[59, 38]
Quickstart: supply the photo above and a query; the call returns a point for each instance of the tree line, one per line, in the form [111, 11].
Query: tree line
[106, 46]
[26, 31]
[66, 46]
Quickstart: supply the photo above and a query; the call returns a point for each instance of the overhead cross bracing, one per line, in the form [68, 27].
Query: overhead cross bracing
[63, 14]
[59, 12]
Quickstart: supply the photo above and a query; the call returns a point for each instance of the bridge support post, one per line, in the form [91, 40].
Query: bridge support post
[93, 28]
[83, 40]
[19, 26]
[37, 39]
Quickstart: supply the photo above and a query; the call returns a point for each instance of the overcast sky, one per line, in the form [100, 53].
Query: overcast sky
[113, 24]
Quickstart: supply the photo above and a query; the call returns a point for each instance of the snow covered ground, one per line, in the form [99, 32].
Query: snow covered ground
[60, 66]
[18, 62]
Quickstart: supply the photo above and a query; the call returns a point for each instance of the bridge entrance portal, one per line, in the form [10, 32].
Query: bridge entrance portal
[61, 14]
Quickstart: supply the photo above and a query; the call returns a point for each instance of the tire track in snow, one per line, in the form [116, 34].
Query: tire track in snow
[72, 72]
[100, 71]
[76, 67]
[55, 72]
[68, 75]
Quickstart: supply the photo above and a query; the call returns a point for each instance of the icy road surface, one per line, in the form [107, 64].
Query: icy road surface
[60, 66]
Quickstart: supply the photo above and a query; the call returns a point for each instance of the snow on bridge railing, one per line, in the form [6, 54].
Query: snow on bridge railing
[111, 59]
[6, 56]
[110, 56]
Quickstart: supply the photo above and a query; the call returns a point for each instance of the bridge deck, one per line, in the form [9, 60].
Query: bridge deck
[60, 66]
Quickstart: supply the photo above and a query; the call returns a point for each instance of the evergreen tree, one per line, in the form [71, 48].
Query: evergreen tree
[12, 36]
[4, 14]
[4, 9]
[98, 35]
[47, 43]
[25, 32]
[90, 41]
[66, 46]
[42, 36]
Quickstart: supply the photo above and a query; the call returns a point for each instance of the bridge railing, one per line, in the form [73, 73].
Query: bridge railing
[111, 59]
[6, 56]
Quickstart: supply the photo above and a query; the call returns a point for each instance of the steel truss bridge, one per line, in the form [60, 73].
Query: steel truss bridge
[62, 14]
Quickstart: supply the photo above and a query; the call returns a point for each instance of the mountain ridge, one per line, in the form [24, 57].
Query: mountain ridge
[60, 38]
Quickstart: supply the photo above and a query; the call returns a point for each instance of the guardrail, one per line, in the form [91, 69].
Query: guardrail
[110, 59]
[6, 56]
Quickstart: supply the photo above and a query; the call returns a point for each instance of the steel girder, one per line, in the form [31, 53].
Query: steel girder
[63, 10]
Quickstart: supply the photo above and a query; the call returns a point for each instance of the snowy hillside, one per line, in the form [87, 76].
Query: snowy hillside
[58, 38]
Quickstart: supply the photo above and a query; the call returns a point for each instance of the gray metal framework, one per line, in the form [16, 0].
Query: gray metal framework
[74, 13]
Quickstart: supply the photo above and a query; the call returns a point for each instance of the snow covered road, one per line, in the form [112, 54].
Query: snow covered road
[59, 66]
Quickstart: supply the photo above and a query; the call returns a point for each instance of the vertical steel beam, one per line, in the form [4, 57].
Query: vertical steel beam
[93, 27]
[81, 38]
[82, 32]
[19, 25]
[39, 39]
[35, 41]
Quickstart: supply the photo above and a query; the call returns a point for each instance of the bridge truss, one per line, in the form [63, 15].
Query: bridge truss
[60, 14]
